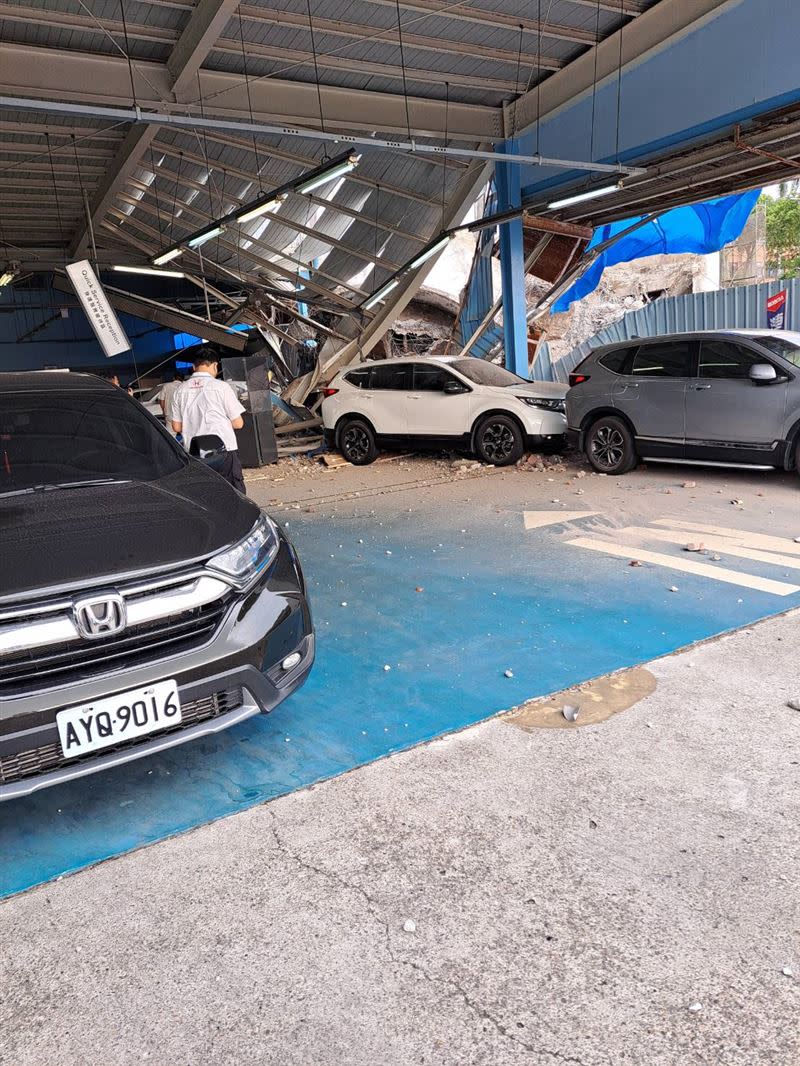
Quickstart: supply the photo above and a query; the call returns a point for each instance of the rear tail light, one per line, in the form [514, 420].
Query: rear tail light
[329, 392]
[577, 379]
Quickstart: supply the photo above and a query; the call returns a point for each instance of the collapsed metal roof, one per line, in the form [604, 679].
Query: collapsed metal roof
[427, 69]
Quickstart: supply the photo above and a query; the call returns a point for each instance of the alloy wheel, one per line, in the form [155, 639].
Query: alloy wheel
[608, 447]
[356, 443]
[498, 441]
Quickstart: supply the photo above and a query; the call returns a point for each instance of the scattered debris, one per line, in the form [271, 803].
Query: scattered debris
[695, 1007]
[634, 562]
[738, 503]
[667, 492]
[388, 552]
[344, 603]
[694, 547]
[716, 558]
[570, 712]
[386, 667]
[674, 588]
[690, 484]
[582, 473]
[794, 703]
[419, 588]
[409, 926]
[787, 971]
[592, 823]
[508, 673]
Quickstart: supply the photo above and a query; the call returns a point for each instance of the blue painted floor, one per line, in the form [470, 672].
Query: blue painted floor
[494, 598]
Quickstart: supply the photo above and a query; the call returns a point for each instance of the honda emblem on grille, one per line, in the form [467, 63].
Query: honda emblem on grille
[100, 616]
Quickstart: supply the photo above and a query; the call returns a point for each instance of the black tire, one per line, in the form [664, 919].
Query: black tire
[498, 440]
[357, 442]
[610, 447]
[797, 456]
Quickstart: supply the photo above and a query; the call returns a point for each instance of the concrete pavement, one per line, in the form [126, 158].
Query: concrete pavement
[574, 892]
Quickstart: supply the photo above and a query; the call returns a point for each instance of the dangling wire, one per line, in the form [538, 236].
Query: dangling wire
[539, 76]
[403, 67]
[594, 82]
[249, 99]
[128, 51]
[85, 201]
[444, 158]
[154, 187]
[619, 72]
[175, 197]
[517, 89]
[317, 81]
[55, 186]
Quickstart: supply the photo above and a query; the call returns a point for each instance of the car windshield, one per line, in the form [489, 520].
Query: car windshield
[66, 439]
[483, 373]
[779, 346]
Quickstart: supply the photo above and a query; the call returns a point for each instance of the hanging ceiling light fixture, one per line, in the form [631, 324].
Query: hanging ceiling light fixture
[165, 257]
[578, 198]
[381, 294]
[149, 270]
[8, 275]
[431, 251]
[305, 183]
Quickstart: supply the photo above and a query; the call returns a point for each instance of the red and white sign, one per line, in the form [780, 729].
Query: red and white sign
[776, 310]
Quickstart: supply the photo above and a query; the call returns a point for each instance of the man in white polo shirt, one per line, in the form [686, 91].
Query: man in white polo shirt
[203, 405]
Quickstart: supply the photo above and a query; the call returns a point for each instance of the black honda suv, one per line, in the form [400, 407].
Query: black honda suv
[143, 601]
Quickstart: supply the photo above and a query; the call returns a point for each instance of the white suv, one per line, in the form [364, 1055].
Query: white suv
[449, 402]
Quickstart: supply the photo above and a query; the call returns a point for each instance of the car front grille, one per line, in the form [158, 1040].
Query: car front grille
[61, 664]
[174, 615]
[49, 757]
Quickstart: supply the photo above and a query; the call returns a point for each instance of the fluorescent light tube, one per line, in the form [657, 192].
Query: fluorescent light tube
[7, 278]
[209, 235]
[150, 270]
[424, 256]
[165, 257]
[578, 198]
[329, 175]
[381, 293]
[261, 209]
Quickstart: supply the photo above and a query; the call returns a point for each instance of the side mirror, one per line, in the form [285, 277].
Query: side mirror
[208, 446]
[763, 373]
[453, 388]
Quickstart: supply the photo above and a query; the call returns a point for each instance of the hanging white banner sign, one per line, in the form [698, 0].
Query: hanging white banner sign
[102, 316]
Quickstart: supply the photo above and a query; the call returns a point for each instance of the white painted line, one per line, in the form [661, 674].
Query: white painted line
[720, 544]
[688, 566]
[740, 536]
[537, 519]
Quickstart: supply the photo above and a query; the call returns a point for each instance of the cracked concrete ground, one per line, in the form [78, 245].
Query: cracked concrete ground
[574, 892]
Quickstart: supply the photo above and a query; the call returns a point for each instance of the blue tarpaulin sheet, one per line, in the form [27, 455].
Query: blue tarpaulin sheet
[699, 228]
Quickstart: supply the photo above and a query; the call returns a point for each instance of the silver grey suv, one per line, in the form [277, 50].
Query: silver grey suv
[722, 397]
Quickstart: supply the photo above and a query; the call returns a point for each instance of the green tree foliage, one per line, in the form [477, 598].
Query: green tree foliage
[783, 235]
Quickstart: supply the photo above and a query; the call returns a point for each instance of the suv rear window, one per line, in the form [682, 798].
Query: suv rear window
[615, 361]
[359, 378]
[667, 360]
[52, 438]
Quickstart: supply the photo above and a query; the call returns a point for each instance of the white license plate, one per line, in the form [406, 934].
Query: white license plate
[118, 718]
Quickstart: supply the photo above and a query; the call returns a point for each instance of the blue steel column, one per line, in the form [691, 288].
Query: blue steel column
[512, 265]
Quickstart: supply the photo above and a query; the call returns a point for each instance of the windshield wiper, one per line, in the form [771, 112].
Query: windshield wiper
[56, 485]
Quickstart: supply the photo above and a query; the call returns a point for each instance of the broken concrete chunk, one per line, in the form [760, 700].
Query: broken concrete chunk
[694, 547]
[508, 673]
[673, 588]
[695, 1007]
[690, 484]
[794, 703]
[409, 926]
[570, 712]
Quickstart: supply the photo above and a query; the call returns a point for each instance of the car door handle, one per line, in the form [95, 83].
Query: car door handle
[631, 385]
[697, 388]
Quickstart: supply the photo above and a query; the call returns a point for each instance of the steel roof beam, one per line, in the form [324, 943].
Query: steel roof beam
[206, 23]
[80, 77]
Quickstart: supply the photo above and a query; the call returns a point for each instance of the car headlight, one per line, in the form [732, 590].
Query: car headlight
[251, 556]
[544, 405]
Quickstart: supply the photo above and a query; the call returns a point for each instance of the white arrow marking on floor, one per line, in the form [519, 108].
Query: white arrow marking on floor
[537, 519]
[738, 536]
[716, 543]
[688, 566]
